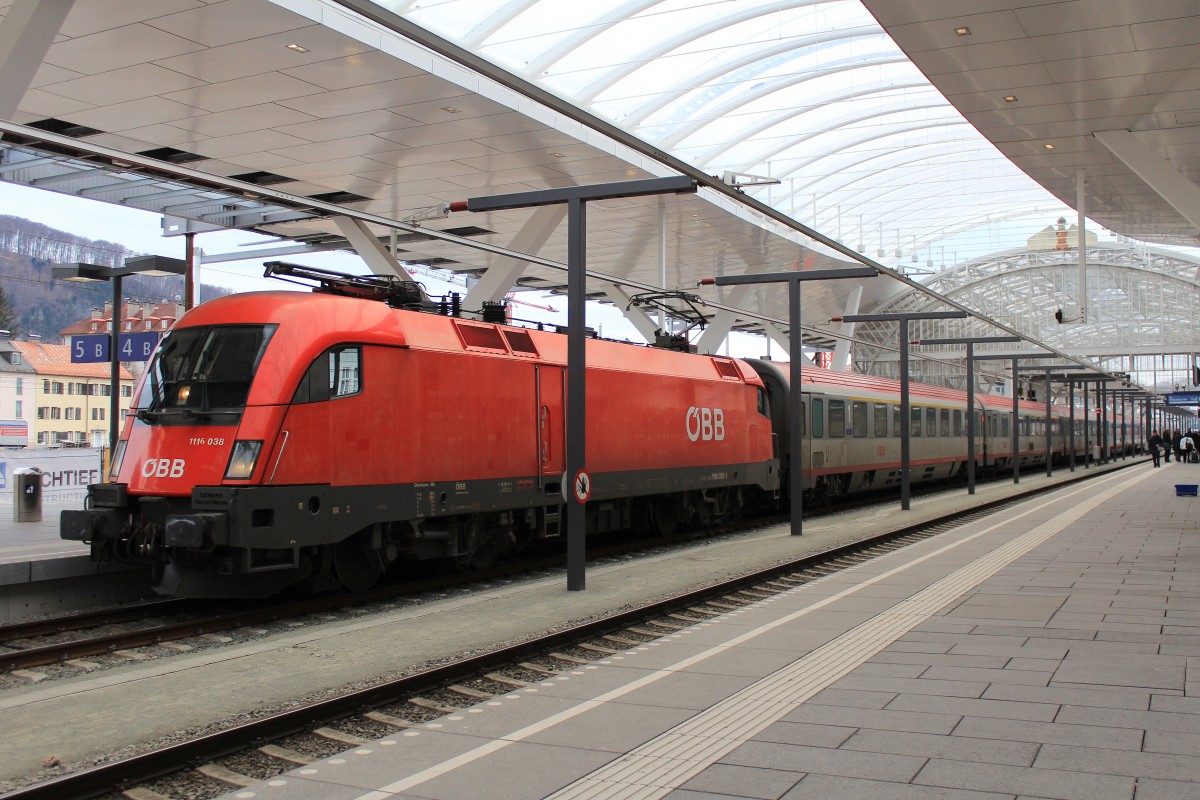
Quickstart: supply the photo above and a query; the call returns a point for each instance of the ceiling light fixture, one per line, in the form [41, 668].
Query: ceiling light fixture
[557, 155]
[1010, 98]
[450, 109]
[963, 31]
[298, 48]
[1048, 146]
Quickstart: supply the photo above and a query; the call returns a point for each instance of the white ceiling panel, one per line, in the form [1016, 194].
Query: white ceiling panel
[464, 105]
[359, 69]
[120, 85]
[373, 97]
[386, 173]
[93, 16]
[39, 104]
[252, 142]
[48, 74]
[243, 92]
[265, 54]
[229, 22]
[339, 148]
[457, 129]
[134, 114]
[379, 123]
[109, 50]
[242, 120]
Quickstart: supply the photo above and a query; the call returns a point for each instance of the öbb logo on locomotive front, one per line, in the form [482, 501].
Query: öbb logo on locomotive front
[162, 468]
[705, 424]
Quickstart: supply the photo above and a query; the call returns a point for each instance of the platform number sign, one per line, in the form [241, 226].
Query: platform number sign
[583, 486]
[131, 346]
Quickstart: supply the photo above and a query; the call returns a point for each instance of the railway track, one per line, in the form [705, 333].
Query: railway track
[258, 750]
[114, 635]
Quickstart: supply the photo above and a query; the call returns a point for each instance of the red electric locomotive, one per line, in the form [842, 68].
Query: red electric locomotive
[282, 438]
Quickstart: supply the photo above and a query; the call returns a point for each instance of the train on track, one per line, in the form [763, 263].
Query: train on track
[289, 440]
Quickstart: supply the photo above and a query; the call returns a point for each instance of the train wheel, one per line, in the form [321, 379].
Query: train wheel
[664, 518]
[357, 564]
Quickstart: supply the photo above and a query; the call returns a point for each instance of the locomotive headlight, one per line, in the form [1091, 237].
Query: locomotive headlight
[114, 468]
[245, 456]
[185, 392]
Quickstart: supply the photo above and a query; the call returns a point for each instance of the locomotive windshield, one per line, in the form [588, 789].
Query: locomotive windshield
[197, 371]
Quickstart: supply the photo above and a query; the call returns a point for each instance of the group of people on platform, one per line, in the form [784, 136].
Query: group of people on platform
[1185, 446]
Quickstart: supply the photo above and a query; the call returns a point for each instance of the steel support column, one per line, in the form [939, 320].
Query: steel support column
[795, 347]
[577, 483]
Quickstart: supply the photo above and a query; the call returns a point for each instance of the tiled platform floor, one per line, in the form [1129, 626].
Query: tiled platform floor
[1050, 651]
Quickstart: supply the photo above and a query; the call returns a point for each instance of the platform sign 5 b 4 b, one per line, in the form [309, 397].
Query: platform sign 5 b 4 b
[94, 349]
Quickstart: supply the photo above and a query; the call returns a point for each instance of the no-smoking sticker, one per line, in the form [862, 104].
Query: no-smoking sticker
[582, 486]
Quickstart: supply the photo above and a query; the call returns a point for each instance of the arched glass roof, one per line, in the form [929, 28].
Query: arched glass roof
[1141, 304]
[810, 93]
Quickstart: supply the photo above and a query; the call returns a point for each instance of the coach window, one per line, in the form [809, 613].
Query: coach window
[915, 421]
[1004, 424]
[944, 416]
[335, 373]
[881, 416]
[896, 429]
[859, 420]
[837, 419]
[818, 418]
[803, 418]
[931, 428]
[958, 423]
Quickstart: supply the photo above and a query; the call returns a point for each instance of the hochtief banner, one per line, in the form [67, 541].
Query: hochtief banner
[66, 473]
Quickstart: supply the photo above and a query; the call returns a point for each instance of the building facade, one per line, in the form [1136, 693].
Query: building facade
[17, 389]
[68, 404]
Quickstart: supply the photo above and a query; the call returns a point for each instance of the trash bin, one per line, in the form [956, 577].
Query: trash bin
[27, 495]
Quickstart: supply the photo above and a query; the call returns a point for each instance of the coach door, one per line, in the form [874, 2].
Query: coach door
[551, 383]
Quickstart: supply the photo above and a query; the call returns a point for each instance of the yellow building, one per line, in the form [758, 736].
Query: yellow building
[70, 401]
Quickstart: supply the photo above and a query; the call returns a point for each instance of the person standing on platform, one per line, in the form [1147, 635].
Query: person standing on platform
[1155, 443]
[1177, 445]
[1186, 448]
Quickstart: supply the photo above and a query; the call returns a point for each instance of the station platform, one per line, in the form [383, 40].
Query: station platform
[1050, 650]
[40, 573]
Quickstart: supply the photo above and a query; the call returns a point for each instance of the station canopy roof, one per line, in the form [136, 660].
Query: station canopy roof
[794, 116]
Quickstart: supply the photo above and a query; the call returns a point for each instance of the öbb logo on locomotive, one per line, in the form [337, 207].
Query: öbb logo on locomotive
[705, 424]
[163, 468]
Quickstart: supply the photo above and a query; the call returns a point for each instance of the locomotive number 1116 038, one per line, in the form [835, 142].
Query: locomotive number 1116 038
[215, 441]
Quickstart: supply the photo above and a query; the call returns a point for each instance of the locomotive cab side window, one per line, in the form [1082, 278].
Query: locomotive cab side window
[764, 406]
[335, 373]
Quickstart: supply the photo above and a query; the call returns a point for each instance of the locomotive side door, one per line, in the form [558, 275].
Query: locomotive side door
[551, 410]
